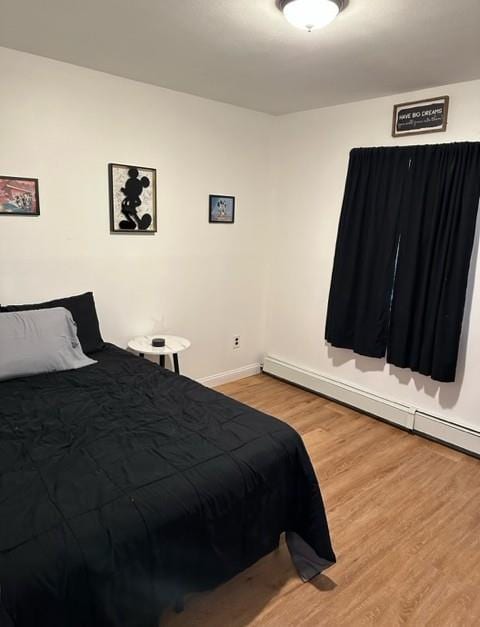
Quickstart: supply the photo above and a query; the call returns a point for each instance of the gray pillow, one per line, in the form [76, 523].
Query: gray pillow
[33, 342]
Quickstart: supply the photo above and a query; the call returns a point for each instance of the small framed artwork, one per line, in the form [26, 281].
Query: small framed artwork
[221, 209]
[133, 198]
[19, 196]
[420, 116]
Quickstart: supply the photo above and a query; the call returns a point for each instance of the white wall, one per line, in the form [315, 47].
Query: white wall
[311, 152]
[64, 124]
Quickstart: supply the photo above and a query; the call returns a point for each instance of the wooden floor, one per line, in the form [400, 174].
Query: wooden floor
[404, 516]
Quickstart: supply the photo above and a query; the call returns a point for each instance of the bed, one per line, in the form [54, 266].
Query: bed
[124, 487]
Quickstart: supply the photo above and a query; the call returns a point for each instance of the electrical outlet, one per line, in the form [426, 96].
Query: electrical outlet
[236, 342]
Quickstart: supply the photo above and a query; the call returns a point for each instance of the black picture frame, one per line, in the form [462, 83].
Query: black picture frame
[425, 122]
[213, 209]
[118, 175]
[14, 208]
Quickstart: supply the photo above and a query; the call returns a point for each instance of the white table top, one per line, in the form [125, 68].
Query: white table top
[173, 344]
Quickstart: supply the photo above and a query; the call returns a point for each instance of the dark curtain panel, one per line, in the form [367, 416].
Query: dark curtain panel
[403, 252]
[363, 270]
[437, 231]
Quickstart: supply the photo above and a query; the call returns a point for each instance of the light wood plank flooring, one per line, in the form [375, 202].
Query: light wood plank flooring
[404, 516]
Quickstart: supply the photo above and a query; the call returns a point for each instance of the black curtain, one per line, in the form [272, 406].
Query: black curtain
[363, 270]
[436, 240]
[403, 252]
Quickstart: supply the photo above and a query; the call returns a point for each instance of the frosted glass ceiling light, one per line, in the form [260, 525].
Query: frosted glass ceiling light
[310, 14]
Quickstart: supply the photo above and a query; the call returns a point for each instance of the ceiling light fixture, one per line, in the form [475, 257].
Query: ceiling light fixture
[310, 14]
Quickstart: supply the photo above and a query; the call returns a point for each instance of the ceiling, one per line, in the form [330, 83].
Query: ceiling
[245, 53]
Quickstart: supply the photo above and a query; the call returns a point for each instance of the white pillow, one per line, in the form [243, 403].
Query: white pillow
[38, 341]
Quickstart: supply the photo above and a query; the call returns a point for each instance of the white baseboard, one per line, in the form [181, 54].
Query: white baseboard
[445, 431]
[230, 375]
[397, 413]
[341, 391]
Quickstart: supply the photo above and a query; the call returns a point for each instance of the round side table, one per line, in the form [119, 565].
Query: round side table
[173, 345]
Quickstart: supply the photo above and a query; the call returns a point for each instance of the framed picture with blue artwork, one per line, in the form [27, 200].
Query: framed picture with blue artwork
[221, 209]
[133, 198]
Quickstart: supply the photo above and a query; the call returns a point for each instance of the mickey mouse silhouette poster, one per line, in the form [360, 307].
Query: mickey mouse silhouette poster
[133, 200]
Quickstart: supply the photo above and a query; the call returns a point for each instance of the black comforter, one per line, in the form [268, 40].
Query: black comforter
[124, 486]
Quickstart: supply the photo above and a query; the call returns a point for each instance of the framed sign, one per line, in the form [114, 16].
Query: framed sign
[420, 116]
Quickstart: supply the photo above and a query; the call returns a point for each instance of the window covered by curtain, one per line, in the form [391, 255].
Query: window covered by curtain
[403, 252]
